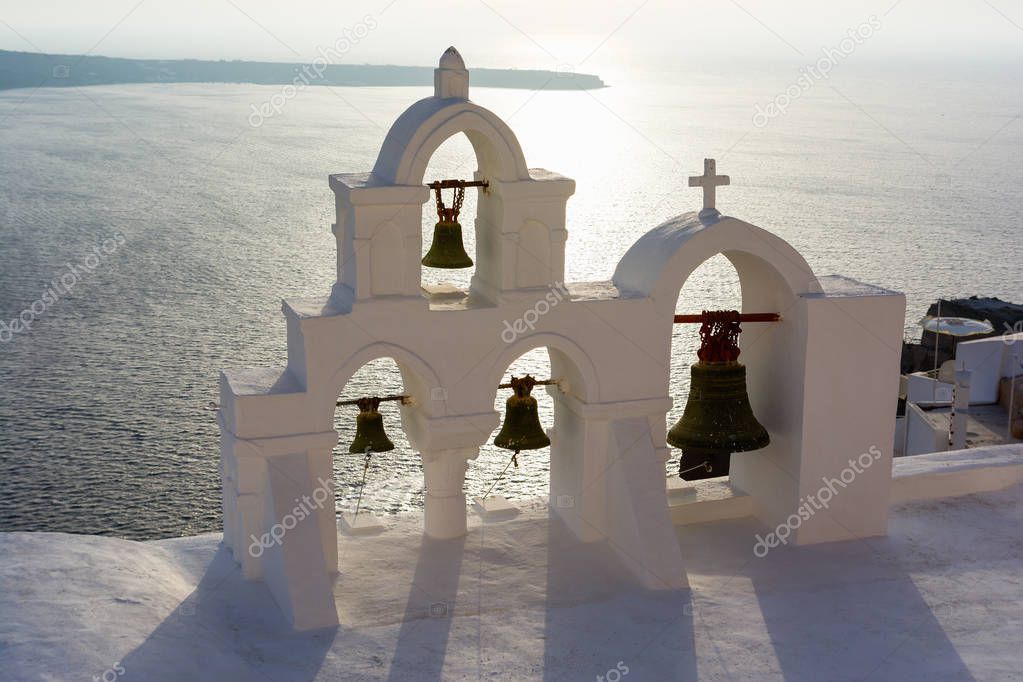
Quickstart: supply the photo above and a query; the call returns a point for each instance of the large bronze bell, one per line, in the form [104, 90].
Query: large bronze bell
[369, 428]
[521, 429]
[718, 419]
[447, 250]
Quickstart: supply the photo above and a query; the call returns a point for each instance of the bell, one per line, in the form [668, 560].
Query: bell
[521, 429]
[716, 422]
[369, 428]
[447, 251]
[718, 419]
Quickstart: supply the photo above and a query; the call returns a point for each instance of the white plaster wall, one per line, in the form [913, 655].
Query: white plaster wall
[923, 437]
[854, 342]
[989, 360]
[959, 472]
[921, 388]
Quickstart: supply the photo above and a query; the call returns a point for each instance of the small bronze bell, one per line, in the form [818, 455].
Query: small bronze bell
[521, 429]
[447, 250]
[369, 428]
[718, 419]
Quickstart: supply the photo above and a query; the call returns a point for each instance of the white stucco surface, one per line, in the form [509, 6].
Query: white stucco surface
[989, 360]
[958, 472]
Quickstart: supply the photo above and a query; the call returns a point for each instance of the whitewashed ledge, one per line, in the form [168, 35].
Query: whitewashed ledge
[920, 477]
[960, 472]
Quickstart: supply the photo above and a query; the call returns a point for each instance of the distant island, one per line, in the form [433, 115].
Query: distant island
[32, 69]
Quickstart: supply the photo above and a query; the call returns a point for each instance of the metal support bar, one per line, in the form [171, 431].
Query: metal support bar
[743, 317]
[405, 400]
[545, 382]
[450, 184]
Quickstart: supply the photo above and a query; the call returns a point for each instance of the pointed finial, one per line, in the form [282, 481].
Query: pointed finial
[451, 78]
[451, 59]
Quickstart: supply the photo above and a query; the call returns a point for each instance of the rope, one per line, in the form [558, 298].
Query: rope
[704, 464]
[365, 470]
[514, 458]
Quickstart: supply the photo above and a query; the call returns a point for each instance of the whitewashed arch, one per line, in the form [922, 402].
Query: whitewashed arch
[423, 127]
[569, 361]
[418, 379]
[660, 262]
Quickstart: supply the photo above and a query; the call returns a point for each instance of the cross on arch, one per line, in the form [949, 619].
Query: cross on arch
[709, 181]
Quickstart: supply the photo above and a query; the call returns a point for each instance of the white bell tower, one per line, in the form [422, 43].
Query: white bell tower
[520, 225]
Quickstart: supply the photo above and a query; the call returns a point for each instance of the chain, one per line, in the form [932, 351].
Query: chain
[440, 201]
[449, 214]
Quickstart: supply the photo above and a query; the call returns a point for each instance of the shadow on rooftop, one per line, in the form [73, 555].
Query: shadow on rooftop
[589, 575]
[426, 626]
[833, 611]
[854, 592]
[219, 632]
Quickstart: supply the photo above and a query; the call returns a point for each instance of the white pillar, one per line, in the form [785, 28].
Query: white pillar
[444, 471]
[321, 469]
[579, 462]
[957, 426]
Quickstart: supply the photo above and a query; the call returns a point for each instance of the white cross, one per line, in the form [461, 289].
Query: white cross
[709, 181]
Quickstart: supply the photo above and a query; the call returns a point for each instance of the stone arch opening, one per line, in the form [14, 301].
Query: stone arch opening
[370, 372]
[405, 159]
[766, 349]
[393, 482]
[543, 356]
[455, 158]
[713, 285]
[771, 277]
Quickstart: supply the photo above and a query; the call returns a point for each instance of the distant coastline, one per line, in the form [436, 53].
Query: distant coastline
[32, 70]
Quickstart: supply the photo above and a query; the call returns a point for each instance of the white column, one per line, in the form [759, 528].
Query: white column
[321, 469]
[957, 426]
[851, 385]
[291, 555]
[579, 463]
[444, 471]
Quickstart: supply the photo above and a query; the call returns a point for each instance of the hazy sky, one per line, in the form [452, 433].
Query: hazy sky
[585, 35]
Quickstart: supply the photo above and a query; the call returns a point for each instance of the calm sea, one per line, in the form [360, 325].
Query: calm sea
[184, 226]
